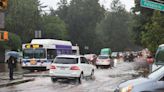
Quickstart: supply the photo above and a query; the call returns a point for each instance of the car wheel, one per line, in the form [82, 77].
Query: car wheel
[79, 79]
[97, 66]
[53, 80]
[92, 75]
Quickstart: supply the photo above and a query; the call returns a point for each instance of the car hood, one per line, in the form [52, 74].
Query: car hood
[134, 82]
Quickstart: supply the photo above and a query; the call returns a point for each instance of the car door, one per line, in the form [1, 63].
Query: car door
[160, 85]
[85, 66]
[88, 66]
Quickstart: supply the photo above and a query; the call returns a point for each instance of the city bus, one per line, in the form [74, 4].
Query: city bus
[40, 53]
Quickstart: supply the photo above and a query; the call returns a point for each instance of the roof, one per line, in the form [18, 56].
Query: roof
[70, 56]
[162, 45]
[50, 41]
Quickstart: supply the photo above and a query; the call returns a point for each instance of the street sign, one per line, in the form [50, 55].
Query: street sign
[152, 5]
[38, 34]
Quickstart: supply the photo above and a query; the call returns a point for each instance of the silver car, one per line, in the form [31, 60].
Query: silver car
[153, 83]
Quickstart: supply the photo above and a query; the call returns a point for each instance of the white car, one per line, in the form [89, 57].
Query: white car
[104, 61]
[70, 67]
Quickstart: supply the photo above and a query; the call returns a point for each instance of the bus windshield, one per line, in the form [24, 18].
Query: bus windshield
[34, 53]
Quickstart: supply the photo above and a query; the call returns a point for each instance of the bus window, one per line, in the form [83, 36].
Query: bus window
[39, 53]
[28, 53]
[51, 53]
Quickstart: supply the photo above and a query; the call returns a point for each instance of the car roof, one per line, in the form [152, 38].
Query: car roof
[70, 56]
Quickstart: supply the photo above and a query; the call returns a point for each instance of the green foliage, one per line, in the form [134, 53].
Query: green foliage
[142, 15]
[22, 18]
[14, 42]
[147, 27]
[153, 37]
[113, 31]
[54, 27]
[82, 16]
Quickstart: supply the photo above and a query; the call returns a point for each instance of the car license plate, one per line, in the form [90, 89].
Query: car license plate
[62, 68]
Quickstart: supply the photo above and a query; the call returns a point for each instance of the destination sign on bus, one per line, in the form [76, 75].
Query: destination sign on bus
[33, 46]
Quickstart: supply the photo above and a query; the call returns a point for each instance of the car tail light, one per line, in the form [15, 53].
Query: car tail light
[53, 67]
[74, 68]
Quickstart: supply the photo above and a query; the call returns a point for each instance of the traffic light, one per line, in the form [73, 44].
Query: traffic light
[3, 4]
[5, 35]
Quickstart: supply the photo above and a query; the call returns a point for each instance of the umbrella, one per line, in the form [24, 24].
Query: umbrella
[12, 53]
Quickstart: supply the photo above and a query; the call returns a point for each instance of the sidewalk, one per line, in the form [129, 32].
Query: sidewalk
[18, 78]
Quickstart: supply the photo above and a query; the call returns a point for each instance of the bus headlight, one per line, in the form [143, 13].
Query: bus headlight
[127, 89]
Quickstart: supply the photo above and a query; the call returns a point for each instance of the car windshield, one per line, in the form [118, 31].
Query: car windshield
[65, 60]
[103, 57]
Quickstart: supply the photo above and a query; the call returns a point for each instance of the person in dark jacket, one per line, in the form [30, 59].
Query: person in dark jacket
[131, 57]
[11, 65]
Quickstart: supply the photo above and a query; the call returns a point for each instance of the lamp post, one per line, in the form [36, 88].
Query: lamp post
[38, 32]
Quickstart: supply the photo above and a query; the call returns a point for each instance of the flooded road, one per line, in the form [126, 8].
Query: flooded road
[106, 80]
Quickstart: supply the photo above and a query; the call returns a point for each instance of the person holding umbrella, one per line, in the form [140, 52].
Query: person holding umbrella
[11, 64]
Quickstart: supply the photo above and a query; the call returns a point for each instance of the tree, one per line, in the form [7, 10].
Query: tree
[142, 15]
[23, 18]
[14, 43]
[113, 31]
[82, 16]
[153, 37]
[54, 27]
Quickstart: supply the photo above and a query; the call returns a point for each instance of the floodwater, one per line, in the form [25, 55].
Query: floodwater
[102, 82]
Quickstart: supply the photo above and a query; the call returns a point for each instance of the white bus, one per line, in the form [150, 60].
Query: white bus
[40, 53]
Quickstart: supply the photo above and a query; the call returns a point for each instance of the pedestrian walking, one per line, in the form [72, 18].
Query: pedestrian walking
[131, 57]
[11, 65]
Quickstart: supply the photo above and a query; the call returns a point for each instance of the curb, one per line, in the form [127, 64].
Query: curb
[36, 75]
[14, 82]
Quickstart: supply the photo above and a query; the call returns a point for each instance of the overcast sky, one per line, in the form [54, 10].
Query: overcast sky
[106, 3]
